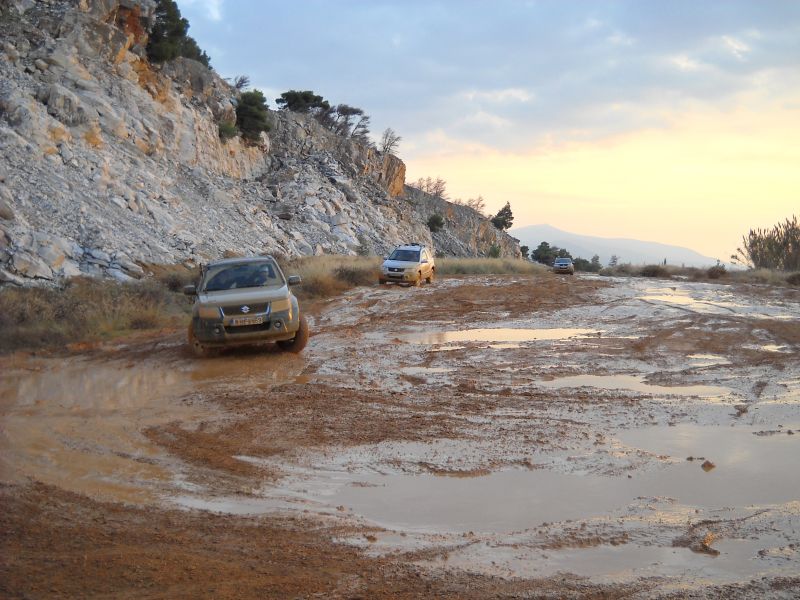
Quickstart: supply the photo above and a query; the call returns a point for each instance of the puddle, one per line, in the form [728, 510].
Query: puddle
[750, 470]
[710, 301]
[497, 335]
[79, 425]
[635, 383]
[240, 506]
[768, 348]
[707, 360]
[426, 370]
[614, 564]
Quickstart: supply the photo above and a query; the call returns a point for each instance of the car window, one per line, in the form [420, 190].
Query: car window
[243, 275]
[405, 255]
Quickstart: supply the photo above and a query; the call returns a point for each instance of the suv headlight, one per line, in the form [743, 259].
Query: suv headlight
[279, 305]
[208, 312]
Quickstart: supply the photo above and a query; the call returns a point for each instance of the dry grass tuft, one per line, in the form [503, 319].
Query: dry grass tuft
[330, 275]
[487, 266]
[715, 273]
[84, 310]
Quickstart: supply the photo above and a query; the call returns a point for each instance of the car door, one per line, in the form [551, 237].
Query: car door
[426, 264]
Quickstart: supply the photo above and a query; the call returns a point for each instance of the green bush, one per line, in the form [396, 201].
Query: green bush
[435, 222]
[494, 251]
[228, 130]
[252, 115]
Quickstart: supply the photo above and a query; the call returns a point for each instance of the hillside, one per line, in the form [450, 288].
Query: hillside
[110, 163]
[627, 250]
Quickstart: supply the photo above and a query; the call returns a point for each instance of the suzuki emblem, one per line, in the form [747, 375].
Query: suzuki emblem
[245, 309]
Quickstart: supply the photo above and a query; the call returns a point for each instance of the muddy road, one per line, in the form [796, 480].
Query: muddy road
[543, 436]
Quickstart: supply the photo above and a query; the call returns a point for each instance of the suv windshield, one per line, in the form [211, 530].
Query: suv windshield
[563, 261]
[405, 255]
[241, 275]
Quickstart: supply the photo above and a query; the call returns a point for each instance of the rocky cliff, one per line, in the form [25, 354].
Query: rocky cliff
[110, 163]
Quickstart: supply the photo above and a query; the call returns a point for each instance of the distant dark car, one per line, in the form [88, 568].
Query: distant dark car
[564, 265]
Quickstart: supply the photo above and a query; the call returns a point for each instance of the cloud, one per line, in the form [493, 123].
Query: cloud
[499, 96]
[514, 74]
[686, 63]
[486, 119]
[620, 39]
[736, 47]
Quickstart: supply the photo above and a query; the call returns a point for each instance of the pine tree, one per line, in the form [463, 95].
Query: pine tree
[504, 217]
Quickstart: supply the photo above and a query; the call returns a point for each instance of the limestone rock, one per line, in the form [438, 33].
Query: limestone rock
[8, 277]
[30, 266]
[63, 104]
[6, 212]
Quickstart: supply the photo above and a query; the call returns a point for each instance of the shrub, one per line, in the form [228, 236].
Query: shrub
[330, 275]
[654, 271]
[435, 222]
[174, 279]
[494, 251]
[85, 310]
[793, 279]
[778, 248]
[355, 275]
[716, 272]
[228, 130]
[487, 266]
[252, 115]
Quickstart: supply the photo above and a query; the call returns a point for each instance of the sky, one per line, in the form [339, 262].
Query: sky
[676, 122]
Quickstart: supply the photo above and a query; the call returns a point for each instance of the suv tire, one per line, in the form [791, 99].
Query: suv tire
[300, 339]
[198, 349]
[430, 277]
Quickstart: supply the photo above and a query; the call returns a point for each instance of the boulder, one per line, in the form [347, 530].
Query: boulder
[8, 277]
[52, 255]
[70, 269]
[63, 104]
[30, 266]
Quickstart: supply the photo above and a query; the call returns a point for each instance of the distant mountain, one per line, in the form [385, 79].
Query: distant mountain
[628, 251]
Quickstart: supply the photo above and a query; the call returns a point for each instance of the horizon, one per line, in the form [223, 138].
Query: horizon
[672, 123]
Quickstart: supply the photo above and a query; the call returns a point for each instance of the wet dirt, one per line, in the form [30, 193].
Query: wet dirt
[483, 436]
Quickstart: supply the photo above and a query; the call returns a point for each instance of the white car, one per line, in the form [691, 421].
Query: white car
[409, 264]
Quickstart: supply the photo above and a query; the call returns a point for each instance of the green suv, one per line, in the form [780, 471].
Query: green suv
[245, 301]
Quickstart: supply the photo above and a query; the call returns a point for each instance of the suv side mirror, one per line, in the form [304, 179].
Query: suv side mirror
[190, 290]
[424, 261]
[294, 280]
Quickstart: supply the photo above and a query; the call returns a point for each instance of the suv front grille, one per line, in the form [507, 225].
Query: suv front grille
[249, 328]
[256, 308]
[396, 269]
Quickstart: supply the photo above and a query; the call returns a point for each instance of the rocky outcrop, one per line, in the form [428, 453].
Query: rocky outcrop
[108, 163]
[466, 232]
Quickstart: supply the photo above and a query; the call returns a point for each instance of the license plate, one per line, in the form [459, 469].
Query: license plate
[247, 321]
